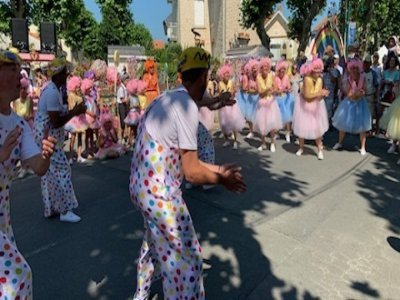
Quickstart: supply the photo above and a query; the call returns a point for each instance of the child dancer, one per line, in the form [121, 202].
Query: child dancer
[284, 96]
[230, 119]
[206, 116]
[77, 125]
[133, 117]
[108, 138]
[268, 118]
[91, 114]
[310, 118]
[352, 114]
[251, 69]
[141, 93]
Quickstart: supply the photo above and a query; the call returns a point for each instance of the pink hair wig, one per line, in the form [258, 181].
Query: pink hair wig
[282, 64]
[24, 83]
[86, 85]
[99, 67]
[141, 86]
[265, 62]
[112, 74]
[252, 63]
[355, 63]
[305, 69]
[74, 83]
[225, 69]
[132, 86]
[317, 65]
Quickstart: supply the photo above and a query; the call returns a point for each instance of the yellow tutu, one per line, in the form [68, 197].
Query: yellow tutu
[391, 120]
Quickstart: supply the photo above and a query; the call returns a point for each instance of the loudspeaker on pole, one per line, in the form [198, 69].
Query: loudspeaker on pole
[48, 37]
[19, 34]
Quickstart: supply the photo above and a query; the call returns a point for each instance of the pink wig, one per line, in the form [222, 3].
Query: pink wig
[141, 86]
[305, 69]
[317, 65]
[225, 69]
[112, 74]
[24, 83]
[132, 86]
[99, 67]
[282, 64]
[265, 62]
[251, 64]
[86, 85]
[355, 63]
[74, 83]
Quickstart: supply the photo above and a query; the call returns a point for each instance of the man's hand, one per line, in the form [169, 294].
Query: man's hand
[232, 178]
[10, 143]
[79, 109]
[48, 144]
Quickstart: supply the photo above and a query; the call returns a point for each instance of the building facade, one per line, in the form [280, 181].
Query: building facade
[217, 23]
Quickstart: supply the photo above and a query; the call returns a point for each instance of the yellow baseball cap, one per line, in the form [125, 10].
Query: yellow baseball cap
[194, 58]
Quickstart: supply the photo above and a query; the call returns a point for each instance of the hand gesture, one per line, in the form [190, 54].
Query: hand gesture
[232, 178]
[48, 144]
[79, 109]
[9, 143]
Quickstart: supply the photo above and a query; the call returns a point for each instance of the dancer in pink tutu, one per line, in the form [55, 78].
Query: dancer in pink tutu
[284, 97]
[310, 119]
[207, 116]
[252, 97]
[230, 118]
[87, 86]
[268, 118]
[77, 125]
[108, 138]
[133, 117]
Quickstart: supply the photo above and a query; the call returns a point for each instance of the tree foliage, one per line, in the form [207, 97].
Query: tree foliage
[140, 35]
[376, 20]
[254, 13]
[303, 14]
[12, 9]
[168, 59]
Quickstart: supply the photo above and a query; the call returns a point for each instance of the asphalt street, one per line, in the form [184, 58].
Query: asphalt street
[305, 229]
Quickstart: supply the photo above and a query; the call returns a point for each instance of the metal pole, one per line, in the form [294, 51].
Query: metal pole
[346, 32]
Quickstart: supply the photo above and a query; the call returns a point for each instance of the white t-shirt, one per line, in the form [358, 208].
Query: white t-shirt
[121, 93]
[28, 145]
[173, 120]
[50, 99]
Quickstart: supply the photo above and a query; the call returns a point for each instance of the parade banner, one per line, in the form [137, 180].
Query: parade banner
[352, 33]
[327, 36]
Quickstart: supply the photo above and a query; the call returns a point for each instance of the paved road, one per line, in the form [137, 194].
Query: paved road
[306, 229]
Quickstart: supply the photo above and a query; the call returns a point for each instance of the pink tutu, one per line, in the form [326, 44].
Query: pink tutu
[231, 119]
[77, 124]
[114, 148]
[133, 117]
[206, 117]
[310, 119]
[268, 116]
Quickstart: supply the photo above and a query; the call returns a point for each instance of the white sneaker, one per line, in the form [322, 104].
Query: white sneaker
[262, 147]
[81, 160]
[320, 155]
[250, 135]
[71, 161]
[392, 149]
[299, 152]
[70, 217]
[287, 136]
[337, 146]
[363, 151]
[272, 148]
[207, 187]
[226, 144]
[188, 186]
[22, 173]
[235, 146]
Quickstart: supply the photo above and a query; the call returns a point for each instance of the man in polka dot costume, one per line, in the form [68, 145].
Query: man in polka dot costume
[166, 149]
[16, 143]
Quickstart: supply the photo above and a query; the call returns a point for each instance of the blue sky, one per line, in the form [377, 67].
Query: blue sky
[153, 12]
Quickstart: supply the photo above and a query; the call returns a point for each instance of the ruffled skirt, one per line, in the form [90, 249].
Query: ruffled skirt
[77, 124]
[230, 119]
[133, 118]
[352, 116]
[206, 116]
[268, 116]
[286, 107]
[391, 120]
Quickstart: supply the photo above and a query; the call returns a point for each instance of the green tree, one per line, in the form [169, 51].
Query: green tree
[168, 59]
[12, 9]
[254, 14]
[140, 35]
[74, 23]
[303, 14]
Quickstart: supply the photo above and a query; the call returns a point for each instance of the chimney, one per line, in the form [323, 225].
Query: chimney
[280, 7]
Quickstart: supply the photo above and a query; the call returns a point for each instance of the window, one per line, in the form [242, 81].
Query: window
[199, 13]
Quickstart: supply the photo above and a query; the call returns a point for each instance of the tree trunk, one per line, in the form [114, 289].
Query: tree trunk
[19, 8]
[262, 34]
